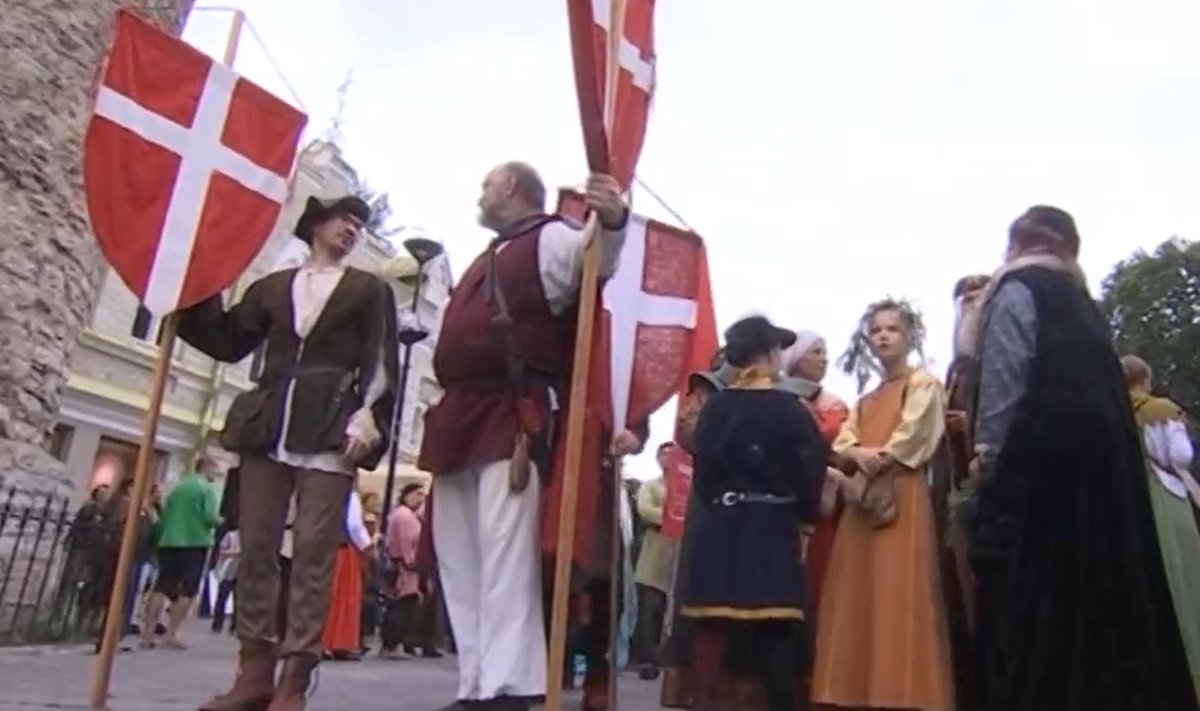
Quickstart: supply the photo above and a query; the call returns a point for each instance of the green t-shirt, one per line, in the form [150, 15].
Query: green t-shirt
[189, 515]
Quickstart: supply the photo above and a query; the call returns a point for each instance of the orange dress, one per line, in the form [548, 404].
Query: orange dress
[344, 620]
[881, 634]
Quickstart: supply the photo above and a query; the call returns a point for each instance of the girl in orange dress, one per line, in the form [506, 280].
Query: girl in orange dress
[882, 635]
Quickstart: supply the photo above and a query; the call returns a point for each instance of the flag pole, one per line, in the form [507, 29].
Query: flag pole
[580, 376]
[616, 584]
[114, 616]
[616, 572]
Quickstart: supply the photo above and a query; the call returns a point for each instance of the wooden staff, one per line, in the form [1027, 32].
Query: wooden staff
[616, 591]
[114, 618]
[584, 332]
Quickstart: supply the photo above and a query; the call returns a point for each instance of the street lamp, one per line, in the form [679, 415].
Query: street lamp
[411, 332]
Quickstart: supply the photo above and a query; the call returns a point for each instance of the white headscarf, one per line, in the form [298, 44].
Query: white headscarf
[805, 340]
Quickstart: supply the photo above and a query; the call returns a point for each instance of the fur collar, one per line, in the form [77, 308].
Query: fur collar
[972, 323]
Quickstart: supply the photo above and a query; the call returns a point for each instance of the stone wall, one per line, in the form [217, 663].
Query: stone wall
[50, 268]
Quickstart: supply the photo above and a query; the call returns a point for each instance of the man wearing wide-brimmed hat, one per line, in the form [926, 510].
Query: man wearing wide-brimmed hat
[321, 410]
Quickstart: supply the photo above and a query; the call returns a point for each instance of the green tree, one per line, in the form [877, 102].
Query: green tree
[1152, 302]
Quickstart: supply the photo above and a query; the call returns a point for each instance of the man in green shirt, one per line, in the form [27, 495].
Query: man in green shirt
[185, 535]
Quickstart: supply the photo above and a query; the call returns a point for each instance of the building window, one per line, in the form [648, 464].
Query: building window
[143, 323]
[258, 362]
[58, 441]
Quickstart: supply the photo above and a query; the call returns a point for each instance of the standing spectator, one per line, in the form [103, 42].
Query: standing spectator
[402, 582]
[655, 566]
[372, 579]
[341, 638]
[145, 570]
[190, 515]
[113, 516]
[227, 564]
[80, 589]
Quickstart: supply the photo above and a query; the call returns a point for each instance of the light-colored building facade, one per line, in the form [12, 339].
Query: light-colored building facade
[103, 408]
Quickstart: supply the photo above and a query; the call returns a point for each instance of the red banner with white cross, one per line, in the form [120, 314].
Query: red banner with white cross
[656, 323]
[613, 149]
[658, 309]
[186, 166]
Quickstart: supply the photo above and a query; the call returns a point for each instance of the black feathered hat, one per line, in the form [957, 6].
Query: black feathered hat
[317, 211]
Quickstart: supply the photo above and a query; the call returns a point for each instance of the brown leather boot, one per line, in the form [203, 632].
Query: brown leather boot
[255, 683]
[294, 681]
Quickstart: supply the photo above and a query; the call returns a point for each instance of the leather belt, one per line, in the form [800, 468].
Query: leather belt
[733, 498]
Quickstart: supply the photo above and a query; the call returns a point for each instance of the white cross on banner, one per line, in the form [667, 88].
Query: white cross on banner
[630, 306]
[613, 118]
[201, 153]
[659, 315]
[629, 56]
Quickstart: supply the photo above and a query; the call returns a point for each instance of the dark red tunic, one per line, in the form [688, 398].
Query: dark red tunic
[476, 423]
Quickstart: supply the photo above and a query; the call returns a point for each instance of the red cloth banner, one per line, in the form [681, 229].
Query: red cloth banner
[185, 166]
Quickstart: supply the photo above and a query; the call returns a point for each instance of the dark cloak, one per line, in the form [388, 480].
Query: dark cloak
[1074, 609]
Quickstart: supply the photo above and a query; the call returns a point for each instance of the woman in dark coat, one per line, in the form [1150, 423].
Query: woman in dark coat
[760, 466]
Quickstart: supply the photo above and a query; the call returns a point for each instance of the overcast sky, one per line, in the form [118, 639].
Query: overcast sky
[830, 153]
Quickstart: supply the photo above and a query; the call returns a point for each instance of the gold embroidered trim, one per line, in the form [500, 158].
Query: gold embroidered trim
[742, 613]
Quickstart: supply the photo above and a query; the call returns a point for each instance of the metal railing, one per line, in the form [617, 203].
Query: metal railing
[51, 570]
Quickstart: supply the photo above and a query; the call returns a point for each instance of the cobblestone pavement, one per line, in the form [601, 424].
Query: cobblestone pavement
[163, 680]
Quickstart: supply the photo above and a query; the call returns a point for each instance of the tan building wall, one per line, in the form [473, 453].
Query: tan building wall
[103, 407]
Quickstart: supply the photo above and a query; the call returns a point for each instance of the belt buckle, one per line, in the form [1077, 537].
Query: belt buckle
[729, 498]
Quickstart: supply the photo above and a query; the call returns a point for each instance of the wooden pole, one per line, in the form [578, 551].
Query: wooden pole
[234, 38]
[589, 292]
[114, 618]
[616, 584]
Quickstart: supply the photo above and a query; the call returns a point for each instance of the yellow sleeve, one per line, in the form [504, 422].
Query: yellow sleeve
[848, 436]
[650, 504]
[922, 422]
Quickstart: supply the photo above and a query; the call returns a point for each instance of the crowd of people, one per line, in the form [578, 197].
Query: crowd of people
[1018, 536]
[1022, 536]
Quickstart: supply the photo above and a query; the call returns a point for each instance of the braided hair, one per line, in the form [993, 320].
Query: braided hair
[859, 361]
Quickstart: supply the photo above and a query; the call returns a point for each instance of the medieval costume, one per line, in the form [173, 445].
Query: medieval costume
[342, 638]
[952, 488]
[1174, 496]
[830, 412]
[1073, 607]
[881, 633]
[760, 467]
[503, 362]
[677, 650]
[592, 584]
[655, 566]
[328, 383]
[402, 592]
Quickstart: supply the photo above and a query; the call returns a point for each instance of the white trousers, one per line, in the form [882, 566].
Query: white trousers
[489, 560]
